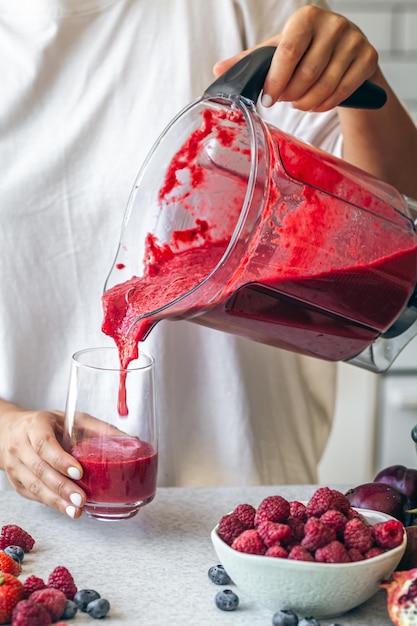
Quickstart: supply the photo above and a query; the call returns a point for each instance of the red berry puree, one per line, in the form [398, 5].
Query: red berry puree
[116, 469]
[328, 267]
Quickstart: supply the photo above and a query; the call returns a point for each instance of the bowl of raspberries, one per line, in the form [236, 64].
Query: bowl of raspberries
[319, 557]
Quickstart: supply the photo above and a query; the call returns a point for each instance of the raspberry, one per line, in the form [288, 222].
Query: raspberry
[333, 552]
[53, 600]
[28, 613]
[246, 514]
[299, 553]
[12, 535]
[340, 502]
[297, 529]
[271, 532]
[31, 584]
[250, 542]
[320, 502]
[334, 519]
[358, 535]
[388, 534]
[324, 499]
[375, 551]
[298, 510]
[316, 534]
[230, 527]
[60, 578]
[355, 554]
[277, 551]
[273, 509]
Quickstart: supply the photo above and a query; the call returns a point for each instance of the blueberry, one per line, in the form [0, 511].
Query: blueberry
[16, 552]
[218, 575]
[226, 600]
[69, 610]
[84, 597]
[98, 608]
[308, 621]
[284, 618]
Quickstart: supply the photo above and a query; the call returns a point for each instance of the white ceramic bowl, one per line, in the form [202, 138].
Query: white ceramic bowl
[319, 590]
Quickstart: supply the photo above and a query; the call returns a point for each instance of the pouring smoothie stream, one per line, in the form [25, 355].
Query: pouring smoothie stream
[250, 231]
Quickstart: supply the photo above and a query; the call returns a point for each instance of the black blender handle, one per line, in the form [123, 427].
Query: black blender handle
[247, 76]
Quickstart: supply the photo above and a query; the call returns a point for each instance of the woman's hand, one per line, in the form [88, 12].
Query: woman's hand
[321, 59]
[34, 460]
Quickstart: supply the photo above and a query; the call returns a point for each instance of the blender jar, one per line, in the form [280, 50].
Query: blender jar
[237, 225]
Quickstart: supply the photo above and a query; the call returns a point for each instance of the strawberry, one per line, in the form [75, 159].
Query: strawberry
[9, 565]
[11, 591]
[402, 597]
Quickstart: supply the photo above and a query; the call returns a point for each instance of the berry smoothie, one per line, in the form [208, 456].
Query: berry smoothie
[117, 471]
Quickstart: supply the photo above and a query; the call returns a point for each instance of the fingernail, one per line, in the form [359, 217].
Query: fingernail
[266, 100]
[76, 499]
[70, 511]
[74, 472]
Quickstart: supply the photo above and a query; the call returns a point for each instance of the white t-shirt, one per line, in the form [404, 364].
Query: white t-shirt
[86, 88]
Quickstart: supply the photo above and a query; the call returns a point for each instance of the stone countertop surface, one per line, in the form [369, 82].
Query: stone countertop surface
[153, 567]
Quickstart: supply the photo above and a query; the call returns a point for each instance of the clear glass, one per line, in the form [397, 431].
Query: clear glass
[111, 428]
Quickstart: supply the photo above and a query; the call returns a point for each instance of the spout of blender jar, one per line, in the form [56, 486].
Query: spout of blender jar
[246, 79]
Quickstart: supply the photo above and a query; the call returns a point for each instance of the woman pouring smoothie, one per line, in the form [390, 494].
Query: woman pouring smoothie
[77, 122]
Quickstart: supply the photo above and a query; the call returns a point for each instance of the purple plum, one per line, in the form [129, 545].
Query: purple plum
[378, 497]
[402, 478]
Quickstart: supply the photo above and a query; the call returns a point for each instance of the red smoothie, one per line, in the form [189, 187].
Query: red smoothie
[329, 267]
[116, 470]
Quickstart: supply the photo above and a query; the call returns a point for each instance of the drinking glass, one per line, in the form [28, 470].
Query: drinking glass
[110, 428]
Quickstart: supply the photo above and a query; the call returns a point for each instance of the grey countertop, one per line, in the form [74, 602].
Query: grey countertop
[153, 568]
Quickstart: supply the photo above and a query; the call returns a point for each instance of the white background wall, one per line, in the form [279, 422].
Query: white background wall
[391, 26]
[351, 455]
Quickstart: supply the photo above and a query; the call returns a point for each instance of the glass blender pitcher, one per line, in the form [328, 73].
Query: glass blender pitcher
[236, 225]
